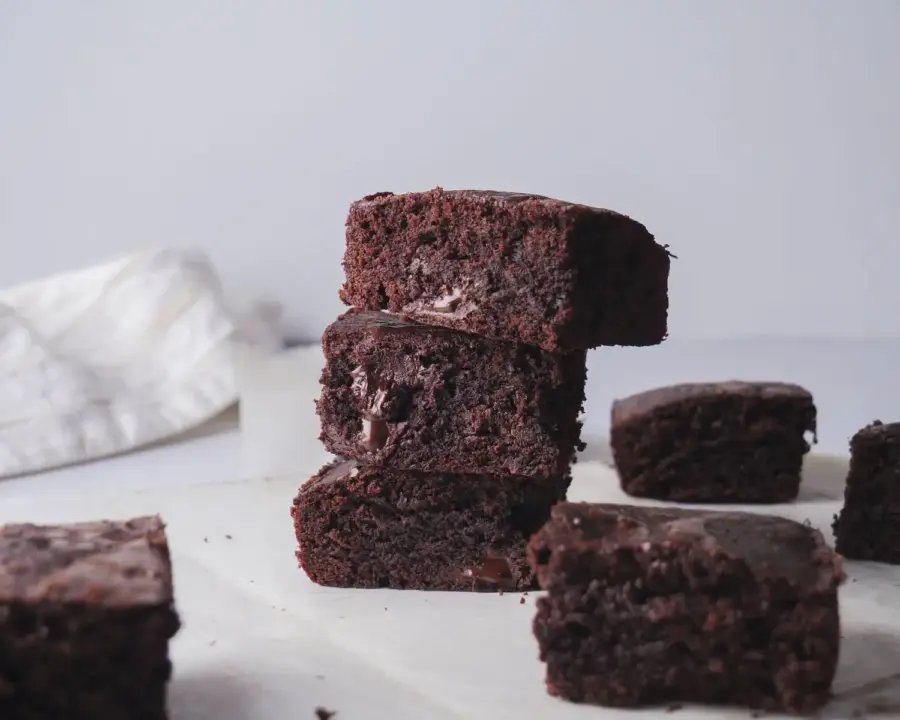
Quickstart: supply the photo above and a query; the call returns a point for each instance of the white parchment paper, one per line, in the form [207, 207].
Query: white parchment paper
[260, 641]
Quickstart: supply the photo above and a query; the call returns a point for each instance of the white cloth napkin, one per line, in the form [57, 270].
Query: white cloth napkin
[112, 358]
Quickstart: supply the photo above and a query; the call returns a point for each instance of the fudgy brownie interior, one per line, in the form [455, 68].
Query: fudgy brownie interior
[417, 397]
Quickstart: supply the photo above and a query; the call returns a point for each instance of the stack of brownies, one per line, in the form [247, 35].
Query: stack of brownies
[453, 388]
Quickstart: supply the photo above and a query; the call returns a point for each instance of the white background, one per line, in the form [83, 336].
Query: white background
[759, 138]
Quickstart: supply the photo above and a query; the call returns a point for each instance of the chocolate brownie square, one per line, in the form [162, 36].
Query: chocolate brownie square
[520, 267]
[650, 606]
[729, 442]
[868, 526]
[86, 615]
[366, 527]
[419, 397]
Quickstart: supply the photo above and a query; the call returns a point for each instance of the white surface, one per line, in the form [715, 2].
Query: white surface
[115, 357]
[757, 138]
[242, 657]
[277, 393]
[260, 641]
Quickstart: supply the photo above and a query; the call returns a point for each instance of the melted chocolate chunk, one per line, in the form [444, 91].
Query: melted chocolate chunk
[495, 570]
[375, 434]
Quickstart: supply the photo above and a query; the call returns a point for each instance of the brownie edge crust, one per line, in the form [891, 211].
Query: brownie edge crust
[649, 606]
[86, 615]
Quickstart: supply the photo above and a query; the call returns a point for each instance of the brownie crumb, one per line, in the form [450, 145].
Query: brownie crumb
[522, 600]
[228, 537]
[323, 714]
[882, 706]
[674, 707]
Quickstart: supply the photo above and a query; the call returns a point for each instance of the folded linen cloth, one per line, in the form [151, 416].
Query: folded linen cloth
[108, 359]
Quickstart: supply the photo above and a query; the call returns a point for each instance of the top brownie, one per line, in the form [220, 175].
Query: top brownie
[512, 266]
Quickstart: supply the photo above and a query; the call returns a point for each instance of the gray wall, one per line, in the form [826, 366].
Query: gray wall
[758, 137]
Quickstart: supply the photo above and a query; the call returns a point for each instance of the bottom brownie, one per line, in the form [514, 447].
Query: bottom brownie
[369, 527]
[652, 606]
[868, 526]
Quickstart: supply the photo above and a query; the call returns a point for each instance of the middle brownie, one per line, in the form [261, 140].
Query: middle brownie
[415, 397]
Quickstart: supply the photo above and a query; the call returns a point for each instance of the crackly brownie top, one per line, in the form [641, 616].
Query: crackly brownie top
[878, 430]
[354, 320]
[640, 404]
[109, 563]
[340, 469]
[772, 547]
[480, 197]
[376, 321]
[473, 195]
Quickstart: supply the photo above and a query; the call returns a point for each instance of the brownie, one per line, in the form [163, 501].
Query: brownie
[367, 527]
[729, 442]
[86, 614]
[521, 267]
[649, 606]
[418, 397]
[868, 526]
